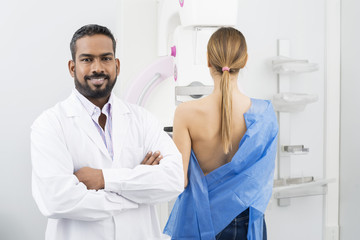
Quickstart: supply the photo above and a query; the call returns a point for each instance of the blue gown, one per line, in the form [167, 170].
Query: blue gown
[211, 202]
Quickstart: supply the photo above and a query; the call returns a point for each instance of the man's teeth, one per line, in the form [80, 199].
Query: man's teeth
[97, 80]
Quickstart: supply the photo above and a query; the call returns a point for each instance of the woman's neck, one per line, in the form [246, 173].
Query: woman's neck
[233, 84]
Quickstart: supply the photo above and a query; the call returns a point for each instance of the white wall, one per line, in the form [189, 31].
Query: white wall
[137, 38]
[34, 51]
[350, 119]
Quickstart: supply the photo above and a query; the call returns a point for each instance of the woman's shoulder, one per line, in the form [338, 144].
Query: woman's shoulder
[184, 107]
[191, 110]
[192, 106]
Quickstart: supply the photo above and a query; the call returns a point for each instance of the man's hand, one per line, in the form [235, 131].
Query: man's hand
[91, 177]
[152, 159]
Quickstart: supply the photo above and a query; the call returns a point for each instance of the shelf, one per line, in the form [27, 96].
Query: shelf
[285, 65]
[292, 102]
[312, 188]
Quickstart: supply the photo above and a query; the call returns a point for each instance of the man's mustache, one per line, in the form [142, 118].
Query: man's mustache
[97, 75]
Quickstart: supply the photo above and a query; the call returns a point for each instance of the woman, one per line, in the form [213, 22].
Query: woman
[228, 144]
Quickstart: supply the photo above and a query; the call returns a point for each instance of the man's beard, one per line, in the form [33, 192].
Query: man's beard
[86, 90]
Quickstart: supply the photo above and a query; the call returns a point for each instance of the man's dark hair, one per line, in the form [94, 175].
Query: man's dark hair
[90, 30]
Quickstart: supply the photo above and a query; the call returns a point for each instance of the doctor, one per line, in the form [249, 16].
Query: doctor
[94, 174]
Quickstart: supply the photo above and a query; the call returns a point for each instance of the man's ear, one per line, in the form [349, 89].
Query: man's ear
[71, 66]
[117, 62]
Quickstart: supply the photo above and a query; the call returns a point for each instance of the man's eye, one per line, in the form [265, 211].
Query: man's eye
[107, 58]
[86, 60]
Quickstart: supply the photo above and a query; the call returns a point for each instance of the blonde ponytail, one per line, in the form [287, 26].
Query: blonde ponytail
[226, 111]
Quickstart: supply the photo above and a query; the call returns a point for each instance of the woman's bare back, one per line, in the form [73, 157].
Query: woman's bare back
[204, 126]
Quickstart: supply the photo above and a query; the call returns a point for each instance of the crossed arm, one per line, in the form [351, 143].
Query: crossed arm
[58, 193]
[94, 179]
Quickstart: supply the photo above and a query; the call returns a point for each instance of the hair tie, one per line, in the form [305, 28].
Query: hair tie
[226, 69]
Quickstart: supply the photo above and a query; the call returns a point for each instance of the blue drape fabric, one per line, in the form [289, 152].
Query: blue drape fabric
[211, 202]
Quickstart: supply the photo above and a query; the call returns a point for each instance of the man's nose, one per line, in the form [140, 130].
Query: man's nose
[97, 66]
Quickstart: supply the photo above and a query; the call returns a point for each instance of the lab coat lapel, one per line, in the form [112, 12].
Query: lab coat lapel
[120, 124]
[87, 124]
[81, 117]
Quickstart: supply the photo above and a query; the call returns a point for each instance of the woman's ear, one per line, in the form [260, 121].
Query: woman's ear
[207, 58]
[246, 59]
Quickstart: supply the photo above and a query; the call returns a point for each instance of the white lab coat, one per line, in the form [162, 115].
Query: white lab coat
[65, 139]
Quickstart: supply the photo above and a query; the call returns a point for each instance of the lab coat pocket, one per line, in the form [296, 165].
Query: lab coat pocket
[129, 157]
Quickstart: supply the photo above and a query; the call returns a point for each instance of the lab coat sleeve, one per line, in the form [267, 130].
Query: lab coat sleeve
[55, 188]
[150, 183]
